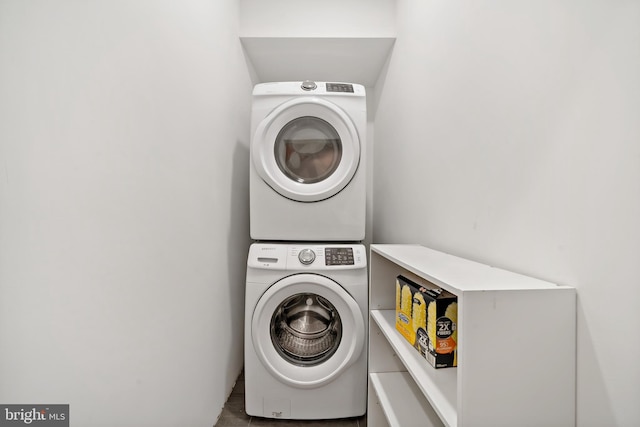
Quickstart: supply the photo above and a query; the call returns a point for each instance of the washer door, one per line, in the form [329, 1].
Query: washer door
[307, 149]
[306, 330]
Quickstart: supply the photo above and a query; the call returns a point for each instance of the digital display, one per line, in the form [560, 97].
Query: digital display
[338, 256]
[339, 87]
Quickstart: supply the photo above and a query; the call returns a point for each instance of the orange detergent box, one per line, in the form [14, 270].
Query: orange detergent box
[427, 317]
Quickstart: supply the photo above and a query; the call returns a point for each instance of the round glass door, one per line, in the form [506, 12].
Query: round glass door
[307, 149]
[306, 330]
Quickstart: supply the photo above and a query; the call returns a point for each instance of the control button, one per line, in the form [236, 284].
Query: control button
[306, 256]
[309, 85]
[339, 87]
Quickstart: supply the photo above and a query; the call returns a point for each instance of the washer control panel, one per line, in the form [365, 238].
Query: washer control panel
[338, 256]
[305, 256]
[326, 257]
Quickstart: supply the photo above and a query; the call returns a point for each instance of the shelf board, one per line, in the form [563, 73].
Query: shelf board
[439, 386]
[456, 274]
[342, 59]
[402, 402]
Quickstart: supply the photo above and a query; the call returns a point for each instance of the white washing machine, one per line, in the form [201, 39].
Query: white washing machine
[307, 179]
[305, 331]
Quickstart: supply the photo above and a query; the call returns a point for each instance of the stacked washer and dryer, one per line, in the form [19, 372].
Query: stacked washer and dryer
[307, 289]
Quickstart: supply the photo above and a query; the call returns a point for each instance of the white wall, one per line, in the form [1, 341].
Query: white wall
[313, 18]
[508, 132]
[123, 208]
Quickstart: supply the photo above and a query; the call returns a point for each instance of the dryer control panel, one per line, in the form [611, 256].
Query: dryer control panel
[340, 87]
[310, 88]
[307, 256]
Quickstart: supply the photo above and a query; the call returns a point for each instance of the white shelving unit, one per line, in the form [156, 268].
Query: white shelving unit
[516, 347]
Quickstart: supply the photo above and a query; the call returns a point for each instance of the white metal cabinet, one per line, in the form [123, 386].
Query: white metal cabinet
[516, 347]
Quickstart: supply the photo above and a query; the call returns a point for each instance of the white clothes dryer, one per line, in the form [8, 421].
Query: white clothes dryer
[305, 331]
[307, 174]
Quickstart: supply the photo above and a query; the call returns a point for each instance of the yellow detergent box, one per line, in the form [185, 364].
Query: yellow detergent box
[427, 316]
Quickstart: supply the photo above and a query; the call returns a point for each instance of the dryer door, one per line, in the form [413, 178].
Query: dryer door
[307, 149]
[306, 330]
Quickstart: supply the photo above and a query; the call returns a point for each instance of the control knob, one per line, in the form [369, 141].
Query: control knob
[309, 85]
[306, 256]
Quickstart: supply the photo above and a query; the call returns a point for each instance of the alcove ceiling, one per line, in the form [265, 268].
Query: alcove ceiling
[340, 59]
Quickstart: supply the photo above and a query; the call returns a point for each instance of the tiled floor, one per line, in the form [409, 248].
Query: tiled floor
[233, 415]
